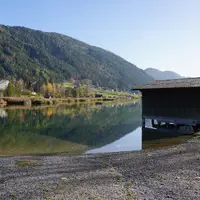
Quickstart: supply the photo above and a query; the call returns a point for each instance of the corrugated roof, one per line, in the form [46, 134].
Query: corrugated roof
[175, 83]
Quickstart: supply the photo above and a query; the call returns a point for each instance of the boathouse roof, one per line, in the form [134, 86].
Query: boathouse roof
[173, 83]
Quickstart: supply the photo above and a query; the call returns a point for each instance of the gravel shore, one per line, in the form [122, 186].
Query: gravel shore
[164, 173]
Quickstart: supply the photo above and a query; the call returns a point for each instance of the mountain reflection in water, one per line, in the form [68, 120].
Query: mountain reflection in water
[130, 142]
[76, 129]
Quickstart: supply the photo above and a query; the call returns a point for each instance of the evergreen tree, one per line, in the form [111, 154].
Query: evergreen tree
[17, 89]
[77, 92]
[2, 73]
[10, 91]
[68, 92]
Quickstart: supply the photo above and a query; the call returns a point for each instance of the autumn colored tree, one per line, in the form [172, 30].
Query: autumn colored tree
[43, 89]
[81, 91]
[49, 89]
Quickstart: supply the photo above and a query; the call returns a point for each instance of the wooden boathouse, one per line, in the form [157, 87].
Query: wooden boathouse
[172, 101]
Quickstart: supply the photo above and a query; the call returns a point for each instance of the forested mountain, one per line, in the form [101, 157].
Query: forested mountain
[34, 55]
[162, 75]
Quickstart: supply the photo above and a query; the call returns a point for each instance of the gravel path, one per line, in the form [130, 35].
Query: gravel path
[165, 173]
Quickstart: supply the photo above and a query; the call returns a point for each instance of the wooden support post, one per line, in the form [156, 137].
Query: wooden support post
[143, 122]
[153, 124]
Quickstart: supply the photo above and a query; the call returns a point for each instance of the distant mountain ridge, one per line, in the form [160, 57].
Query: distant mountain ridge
[162, 75]
[34, 55]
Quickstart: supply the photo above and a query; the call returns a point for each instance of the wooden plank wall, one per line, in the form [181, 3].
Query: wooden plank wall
[182, 103]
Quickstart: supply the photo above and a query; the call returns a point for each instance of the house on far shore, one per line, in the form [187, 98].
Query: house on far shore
[3, 84]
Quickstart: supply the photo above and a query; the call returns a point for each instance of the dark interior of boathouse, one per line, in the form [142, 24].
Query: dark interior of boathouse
[174, 102]
[172, 98]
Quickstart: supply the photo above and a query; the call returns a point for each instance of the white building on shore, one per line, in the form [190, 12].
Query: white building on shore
[3, 84]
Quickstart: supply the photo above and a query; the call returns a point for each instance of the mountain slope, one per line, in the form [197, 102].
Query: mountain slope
[162, 75]
[36, 55]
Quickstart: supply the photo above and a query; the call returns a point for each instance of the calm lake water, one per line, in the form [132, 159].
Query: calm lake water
[77, 129]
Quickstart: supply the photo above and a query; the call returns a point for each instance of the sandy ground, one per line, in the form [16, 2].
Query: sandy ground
[165, 173]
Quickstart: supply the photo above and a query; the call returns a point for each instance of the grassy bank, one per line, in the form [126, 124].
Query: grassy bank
[28, 101]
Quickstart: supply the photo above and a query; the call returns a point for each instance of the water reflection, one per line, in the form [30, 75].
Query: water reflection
[143, 138]
[3, 113]
[130, 142]
[154, 138]
[83, 128]
[69, 129]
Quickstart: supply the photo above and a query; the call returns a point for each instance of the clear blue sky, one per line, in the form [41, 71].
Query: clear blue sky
[163, 34]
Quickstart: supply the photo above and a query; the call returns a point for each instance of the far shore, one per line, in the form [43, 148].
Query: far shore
[43, 106]
[153, 174]
[31, 101]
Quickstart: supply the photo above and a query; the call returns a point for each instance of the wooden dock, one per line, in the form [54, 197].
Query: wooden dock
[17, 101]
[185, 121]
[169, 124]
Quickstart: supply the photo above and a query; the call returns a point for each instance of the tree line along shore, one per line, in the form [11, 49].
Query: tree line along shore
[17, 93]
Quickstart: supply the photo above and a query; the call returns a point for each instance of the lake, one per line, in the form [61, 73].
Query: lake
[77, 129]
